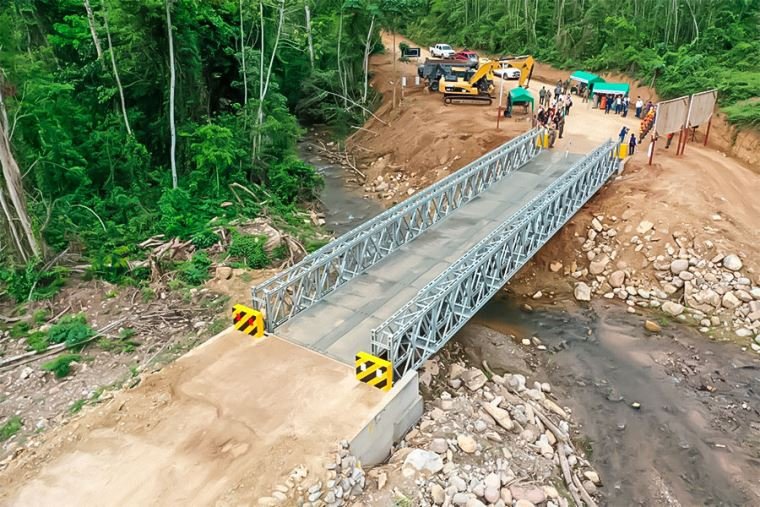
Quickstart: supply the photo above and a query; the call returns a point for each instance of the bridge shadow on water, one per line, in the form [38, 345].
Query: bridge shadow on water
[696, 438]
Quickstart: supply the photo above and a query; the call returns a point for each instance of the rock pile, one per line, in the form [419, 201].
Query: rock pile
[343, 482]
[499, 442]
[693, 281]
[390, 186]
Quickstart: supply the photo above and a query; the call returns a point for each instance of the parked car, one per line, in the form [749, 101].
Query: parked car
[469, 56]
[508, 73]
[442, 51]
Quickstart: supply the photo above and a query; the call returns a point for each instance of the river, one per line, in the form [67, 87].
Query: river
[695, 440]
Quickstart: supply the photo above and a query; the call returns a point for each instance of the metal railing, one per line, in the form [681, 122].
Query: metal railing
[318, 274]
[422, 326]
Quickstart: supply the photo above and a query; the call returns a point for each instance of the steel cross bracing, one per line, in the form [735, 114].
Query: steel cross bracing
[422, 326]
[321, 272]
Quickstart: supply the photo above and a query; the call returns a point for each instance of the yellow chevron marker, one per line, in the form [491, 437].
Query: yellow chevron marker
[374, 371]
[248, 320]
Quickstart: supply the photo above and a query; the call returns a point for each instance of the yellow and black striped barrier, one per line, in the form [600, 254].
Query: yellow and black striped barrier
[374, 371]
[248, 320]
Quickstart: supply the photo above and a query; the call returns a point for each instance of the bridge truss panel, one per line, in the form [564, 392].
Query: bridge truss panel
[422, 326]
[318, 274]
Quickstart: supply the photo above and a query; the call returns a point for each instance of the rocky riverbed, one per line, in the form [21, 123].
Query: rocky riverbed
[680, 274]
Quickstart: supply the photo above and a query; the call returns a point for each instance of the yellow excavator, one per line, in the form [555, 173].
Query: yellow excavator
[463, 85]
[466, 85]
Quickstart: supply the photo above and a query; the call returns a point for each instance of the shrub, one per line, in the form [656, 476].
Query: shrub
[294, 180]
[30, 282]
[61, 365]
[204, 238]
[10, 428]
[72, 330]
[250, 249]
[195, 271]
[38, 341]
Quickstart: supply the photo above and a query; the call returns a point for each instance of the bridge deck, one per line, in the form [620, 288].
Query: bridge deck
[340, 324]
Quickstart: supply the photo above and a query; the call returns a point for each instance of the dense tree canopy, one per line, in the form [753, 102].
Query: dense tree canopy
[86, 88]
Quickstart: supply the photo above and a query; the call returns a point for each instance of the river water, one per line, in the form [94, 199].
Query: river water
[695, 440]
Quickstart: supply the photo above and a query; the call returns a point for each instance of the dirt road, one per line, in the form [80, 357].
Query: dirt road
[222, 425]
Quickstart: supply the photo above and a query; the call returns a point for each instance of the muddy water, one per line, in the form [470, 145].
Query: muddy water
[696, 438]
[342, 199]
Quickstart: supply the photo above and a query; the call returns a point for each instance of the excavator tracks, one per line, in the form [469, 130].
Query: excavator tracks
[456, 98]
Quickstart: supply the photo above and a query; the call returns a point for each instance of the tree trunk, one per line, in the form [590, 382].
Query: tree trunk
[366, 58]
[115, 69]
[308, 34]
[264, 80]
[27, 245]
[94, 33]
[172, 84]
[242, 57]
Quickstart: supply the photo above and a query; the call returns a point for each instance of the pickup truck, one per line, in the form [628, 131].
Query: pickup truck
[442, 51]
[468, 56]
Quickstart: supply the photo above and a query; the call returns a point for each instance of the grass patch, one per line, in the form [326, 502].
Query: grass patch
[72, 330]
[77, 406]
[10, 428]
[218, 325]
[61, 365]
[38, 341]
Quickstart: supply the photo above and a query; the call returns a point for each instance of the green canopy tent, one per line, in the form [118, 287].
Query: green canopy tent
[521, 96]
[612, 88]
[585, 77]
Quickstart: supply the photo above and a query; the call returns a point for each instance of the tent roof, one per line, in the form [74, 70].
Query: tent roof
[614, 88]
[585, 77]
[520, 95]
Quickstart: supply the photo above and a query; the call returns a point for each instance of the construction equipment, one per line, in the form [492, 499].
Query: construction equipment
[523, 63]
[433, 68]
[465, 85]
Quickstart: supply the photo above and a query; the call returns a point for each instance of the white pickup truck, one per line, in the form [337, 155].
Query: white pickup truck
[442, 51]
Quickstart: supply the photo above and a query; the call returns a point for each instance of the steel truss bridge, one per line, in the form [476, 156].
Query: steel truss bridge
[403, 283]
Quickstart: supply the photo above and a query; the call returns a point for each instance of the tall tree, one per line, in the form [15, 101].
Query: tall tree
[172, 86]
[115, 69]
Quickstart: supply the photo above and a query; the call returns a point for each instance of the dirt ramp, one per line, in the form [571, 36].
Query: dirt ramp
[221, 426]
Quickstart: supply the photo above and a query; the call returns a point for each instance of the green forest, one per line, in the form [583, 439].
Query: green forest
[121, 120]
[680, 46]
[124, 119]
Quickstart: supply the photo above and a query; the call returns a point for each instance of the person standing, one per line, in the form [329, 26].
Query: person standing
[626, 104]
[622, 134]
[568, 105]
[561, 125]
[618, 104]
[639, 106]
[632, 145]
[585, 93]
[608, 105]
[542, 95]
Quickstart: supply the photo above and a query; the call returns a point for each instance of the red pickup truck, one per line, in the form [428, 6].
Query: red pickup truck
[470, 56]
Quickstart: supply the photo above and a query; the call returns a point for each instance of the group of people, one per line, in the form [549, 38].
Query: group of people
[559, 99]
[608, 102]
